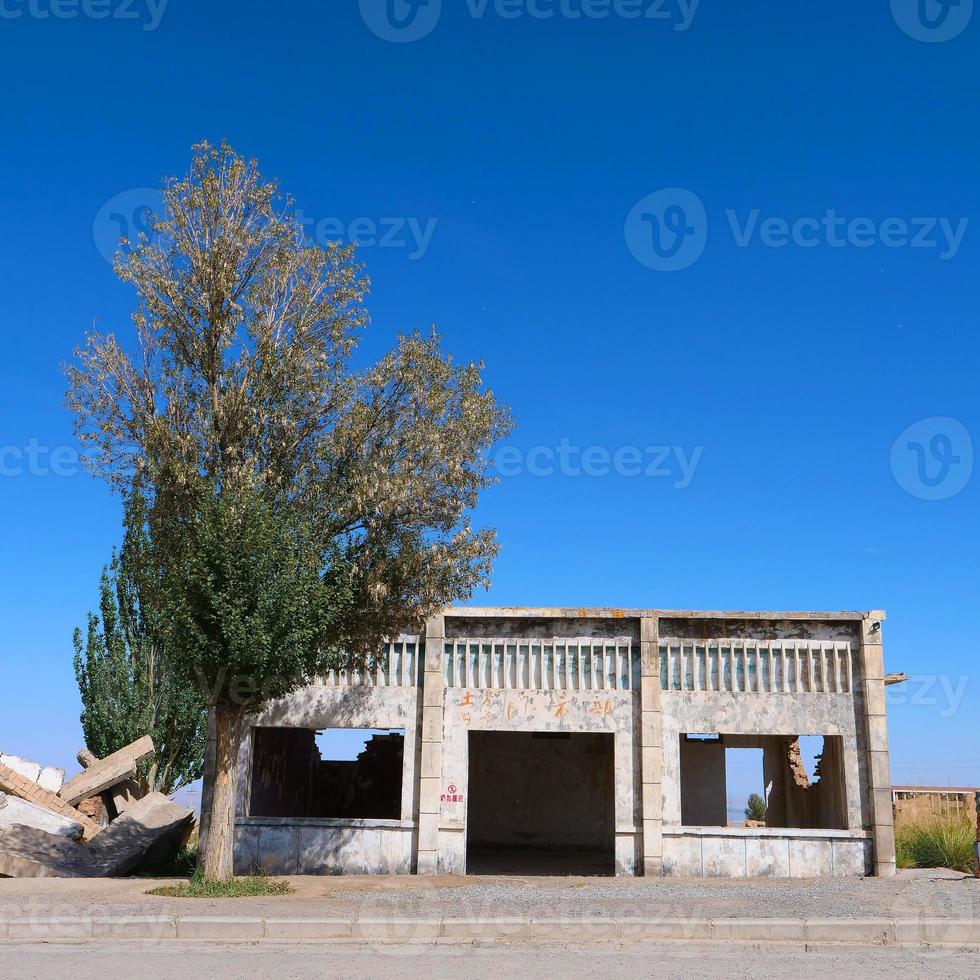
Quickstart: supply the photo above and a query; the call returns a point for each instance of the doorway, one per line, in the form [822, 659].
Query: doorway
[541, 803]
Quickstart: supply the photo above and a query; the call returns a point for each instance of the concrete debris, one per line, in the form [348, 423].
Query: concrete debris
[121, 796]
[108, 772]
[95, 809]
[111, 832]
[14, 784]
[47, 777]
[145, 825]
[15, 811]
[29, 853]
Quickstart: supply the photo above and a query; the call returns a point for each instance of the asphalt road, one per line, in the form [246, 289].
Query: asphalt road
[96, 962]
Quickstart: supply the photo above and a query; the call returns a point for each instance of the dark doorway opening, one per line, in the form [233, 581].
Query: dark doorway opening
[541, 804]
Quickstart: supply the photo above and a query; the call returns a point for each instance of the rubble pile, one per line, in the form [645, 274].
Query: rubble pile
[96, 825]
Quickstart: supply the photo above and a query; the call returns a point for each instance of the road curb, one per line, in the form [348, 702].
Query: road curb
[829, 932]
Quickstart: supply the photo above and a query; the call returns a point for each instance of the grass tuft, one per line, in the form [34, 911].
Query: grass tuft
[251, 886]
[936, 842]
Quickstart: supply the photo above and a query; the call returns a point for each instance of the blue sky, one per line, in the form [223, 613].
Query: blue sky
[816, 299]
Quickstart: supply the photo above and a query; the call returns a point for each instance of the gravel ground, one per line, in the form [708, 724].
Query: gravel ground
[909, 895]
[95, 962]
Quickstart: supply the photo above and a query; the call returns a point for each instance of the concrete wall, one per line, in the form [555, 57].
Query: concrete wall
[770, 714]
[322, 846]
[704, 783]
[717, 852]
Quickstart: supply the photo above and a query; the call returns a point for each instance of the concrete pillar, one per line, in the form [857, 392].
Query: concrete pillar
[430, 770]
[876, 731]
[651, 748]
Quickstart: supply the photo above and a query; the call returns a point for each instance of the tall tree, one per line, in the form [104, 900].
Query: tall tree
[127, 678]
[240, 407]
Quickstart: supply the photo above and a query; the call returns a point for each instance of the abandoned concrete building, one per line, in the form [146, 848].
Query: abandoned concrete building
[581, 741]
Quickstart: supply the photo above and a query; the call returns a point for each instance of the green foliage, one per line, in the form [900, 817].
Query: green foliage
[247, 597]
[125, 668]
[251, 886]
[936, 842]
[302, 506]
[756, 808]
[244, 379]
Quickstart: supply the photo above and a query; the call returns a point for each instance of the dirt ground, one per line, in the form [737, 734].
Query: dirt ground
[929, 894]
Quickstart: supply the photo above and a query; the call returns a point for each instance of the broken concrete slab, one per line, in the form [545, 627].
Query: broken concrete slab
[108, 772]
[17, 812]
[24, 767]
[123, 844]
[17, 785]
[26, 852]
[47, 777]
[51, 779]
[29, 853]
[123, 795]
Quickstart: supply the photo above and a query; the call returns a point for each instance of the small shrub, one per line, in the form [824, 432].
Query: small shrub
[936, 842]
[251, 886]
[756, 809]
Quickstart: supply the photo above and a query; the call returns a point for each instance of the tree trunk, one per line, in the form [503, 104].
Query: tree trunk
[217, 860]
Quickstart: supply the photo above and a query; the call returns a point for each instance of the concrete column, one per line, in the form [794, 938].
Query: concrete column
[876, 730]
[430, 770]
[651, 748]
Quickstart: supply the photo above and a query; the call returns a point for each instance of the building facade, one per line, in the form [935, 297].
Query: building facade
[581, 741]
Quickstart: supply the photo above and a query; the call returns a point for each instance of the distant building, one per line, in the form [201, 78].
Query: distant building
[925, 801]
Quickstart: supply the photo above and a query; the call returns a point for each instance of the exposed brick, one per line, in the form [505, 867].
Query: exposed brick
[14, 783]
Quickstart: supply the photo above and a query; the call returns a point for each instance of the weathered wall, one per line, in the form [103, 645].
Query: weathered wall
[766, 714]
[323, 846]
[738, 853]
[646, 769]
[468, 709]
[704, 783]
